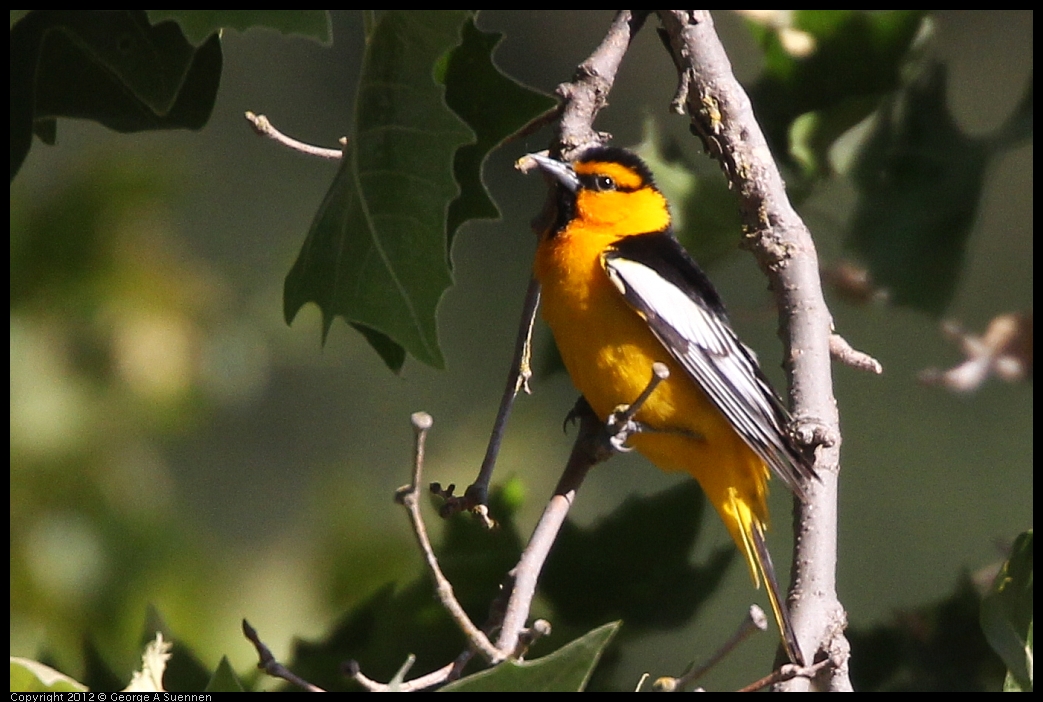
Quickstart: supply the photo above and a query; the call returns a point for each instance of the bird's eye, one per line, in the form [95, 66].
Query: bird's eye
[604, 182]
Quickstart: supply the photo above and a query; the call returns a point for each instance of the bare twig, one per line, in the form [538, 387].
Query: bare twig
[264, 128]
[408, 496]
[850, 356]
[788, 672]
[722, 117]
[477, 494]
[435, 677]
[755, 621]
[270, 665]
[595, 442]
[534, 125]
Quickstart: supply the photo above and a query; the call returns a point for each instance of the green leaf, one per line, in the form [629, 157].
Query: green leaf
[200, 24]
[30, 676]
[111, 67]
[1007, 614]
[566, 670]
[495, 106]
[224, 679]
[376, 253]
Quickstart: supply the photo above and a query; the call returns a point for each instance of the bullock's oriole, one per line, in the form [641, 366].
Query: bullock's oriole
[619, 294]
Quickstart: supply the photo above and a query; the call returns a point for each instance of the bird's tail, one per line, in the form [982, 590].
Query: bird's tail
[751, 531]
[778, 602]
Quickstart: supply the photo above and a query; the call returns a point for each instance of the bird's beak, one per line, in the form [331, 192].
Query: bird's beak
[561, 172]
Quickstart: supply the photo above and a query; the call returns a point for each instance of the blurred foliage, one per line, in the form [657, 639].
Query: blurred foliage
[1007, 615]
[938, 647]
[920, 180]
[113, 67]
[114, 332]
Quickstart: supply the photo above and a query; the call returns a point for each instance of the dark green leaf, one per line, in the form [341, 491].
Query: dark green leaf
[109, 66]
[376, 253]
[1007, 613]
[566, 670]
[936, 647]
[97, 673]
[393, 355]
[200, 24]
[494, 106]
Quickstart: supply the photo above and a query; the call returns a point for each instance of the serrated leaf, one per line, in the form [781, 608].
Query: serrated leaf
[492, 104]
[376, 253]
[200, 24]
[1007, 614]
[111, 67]
[566, 670]
[30, 676]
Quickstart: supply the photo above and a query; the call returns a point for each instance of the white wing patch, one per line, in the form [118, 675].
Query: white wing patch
[707, 348]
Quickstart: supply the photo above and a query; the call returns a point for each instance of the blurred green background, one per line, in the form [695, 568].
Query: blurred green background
[174, 443]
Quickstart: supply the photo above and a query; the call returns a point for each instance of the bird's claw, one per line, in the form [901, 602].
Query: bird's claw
[619, 429]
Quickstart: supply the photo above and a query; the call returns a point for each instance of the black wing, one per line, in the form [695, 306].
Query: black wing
[665, 286]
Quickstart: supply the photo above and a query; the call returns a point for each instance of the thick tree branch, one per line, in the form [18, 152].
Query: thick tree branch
[722, 117]
[588, 91]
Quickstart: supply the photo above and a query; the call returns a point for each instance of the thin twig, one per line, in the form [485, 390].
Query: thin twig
[788, 672]
[850, 356]
[754, 621]
[435, 677]
[534, 125]
[264, 127]
[268, 663]
[517, 380]
[595, 442]
[722, 116]
[408, 496]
